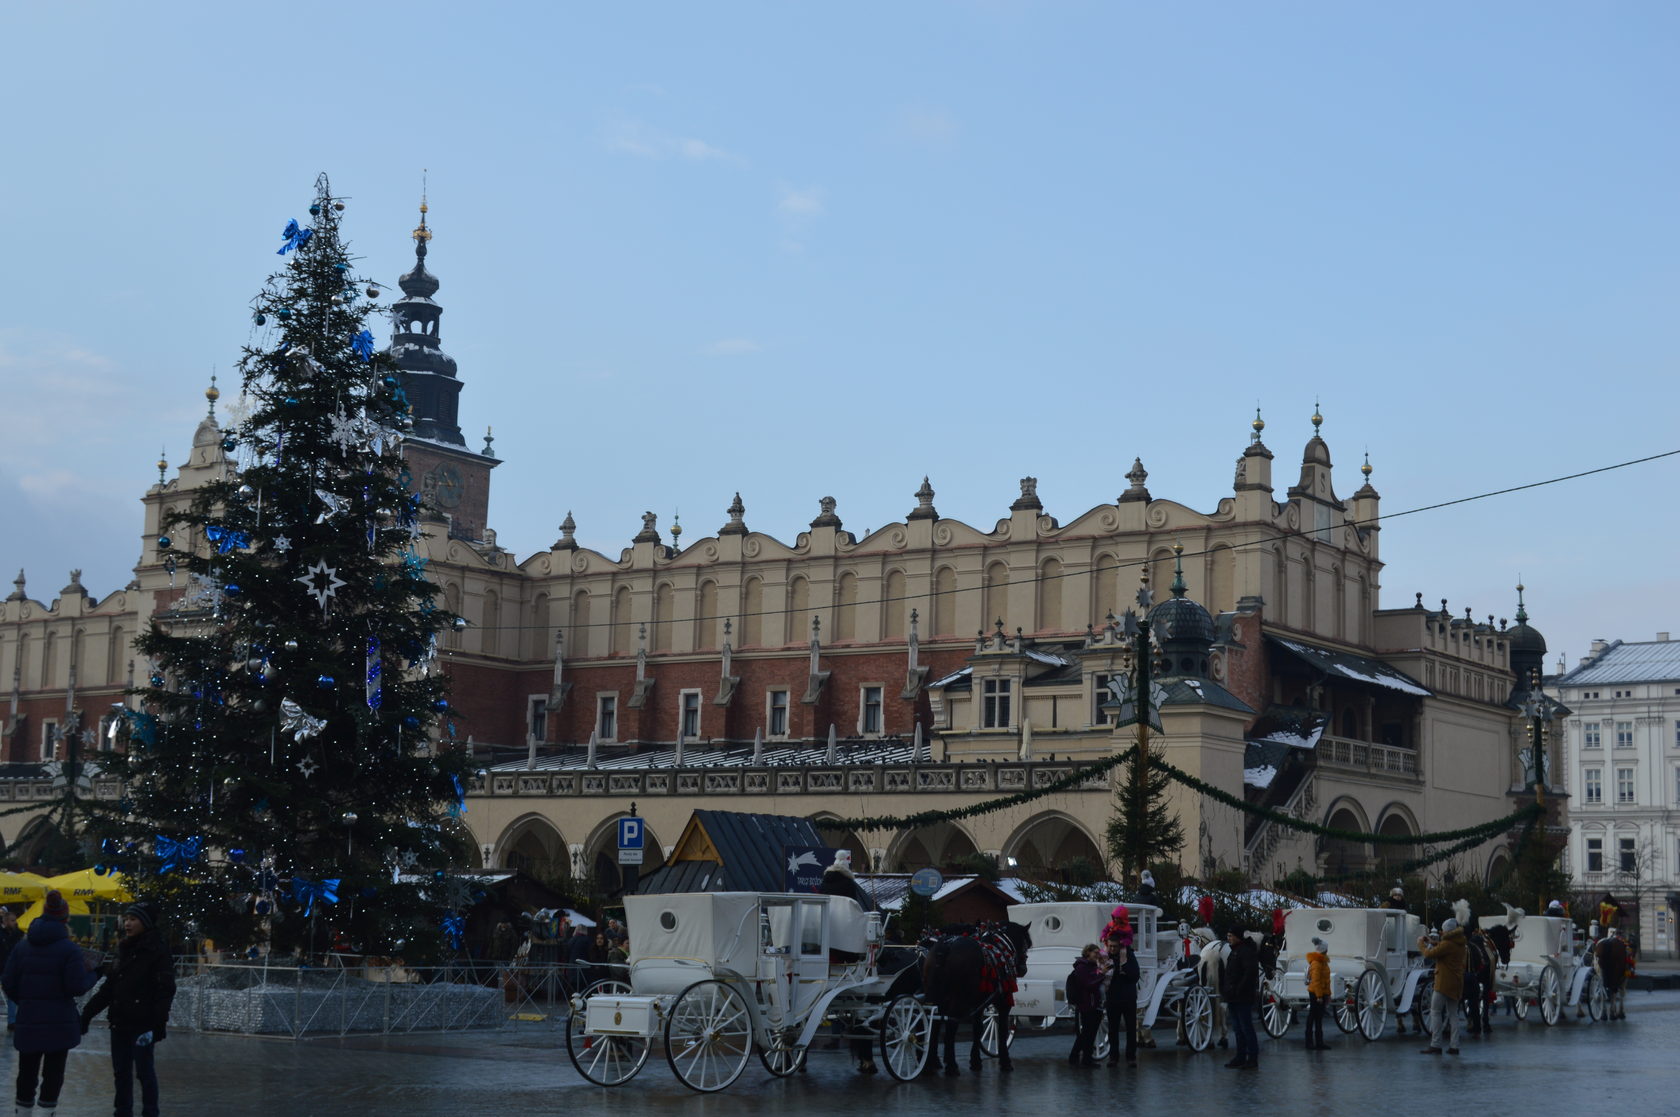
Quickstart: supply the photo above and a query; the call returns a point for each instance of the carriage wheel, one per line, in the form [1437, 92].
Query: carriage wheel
[1346, 1009]
[604, 1060]
[1274, 1011]
[1196, 1013]
[990, 1033]
[781, 1056]
[1551, 995]
[1519, 1004]
[1595, 997]
[708, 1036]
[1099, 1048]
[906, 1037]
[1371, 1000]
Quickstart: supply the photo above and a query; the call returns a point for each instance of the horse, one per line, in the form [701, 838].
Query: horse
[1210, 969]
[965, 971]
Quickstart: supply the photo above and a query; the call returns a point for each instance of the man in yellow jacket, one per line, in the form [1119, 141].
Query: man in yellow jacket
[1450, 956]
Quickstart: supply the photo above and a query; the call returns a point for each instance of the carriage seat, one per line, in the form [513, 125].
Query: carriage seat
[848, 926]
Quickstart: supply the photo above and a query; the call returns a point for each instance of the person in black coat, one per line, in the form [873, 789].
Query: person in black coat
[1239, 988]
[1122, 998]
[10, 935]
[44, 974]
[138, 994]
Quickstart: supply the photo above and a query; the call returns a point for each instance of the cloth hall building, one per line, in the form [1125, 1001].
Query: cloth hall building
[926, 665]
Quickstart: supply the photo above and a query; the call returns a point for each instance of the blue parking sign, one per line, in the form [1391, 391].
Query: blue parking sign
[629, 833]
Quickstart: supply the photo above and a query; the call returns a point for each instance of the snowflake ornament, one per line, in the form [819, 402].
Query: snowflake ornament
[322, 581]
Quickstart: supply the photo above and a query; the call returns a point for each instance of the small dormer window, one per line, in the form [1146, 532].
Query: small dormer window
[995, 695]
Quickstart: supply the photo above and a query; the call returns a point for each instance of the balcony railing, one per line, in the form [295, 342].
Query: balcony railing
[1366, 756]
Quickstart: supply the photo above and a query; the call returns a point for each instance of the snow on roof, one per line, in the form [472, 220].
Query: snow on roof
[1355, 667]
[1048, 657]
[951, 678]
[853, 751]
[1259, 777]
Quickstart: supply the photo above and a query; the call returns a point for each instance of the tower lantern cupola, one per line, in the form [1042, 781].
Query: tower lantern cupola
[428, 372]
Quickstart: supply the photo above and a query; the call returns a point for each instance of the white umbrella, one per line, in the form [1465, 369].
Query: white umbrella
[758, 746]
[591, 760]
[1026, 739]
[916, 745]
[833, 756]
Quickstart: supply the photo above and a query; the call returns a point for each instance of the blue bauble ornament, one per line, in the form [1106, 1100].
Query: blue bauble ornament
[437, 874]
[291, 401]
[315, 210]
[237, 856]
[232, 589]
[164, 542]
[325, 682]
[283, 313]
[230, 444]
[157, 680]
[441, 705]
[389, 381]
[411, 722]
[261, 678]
[264, 907]
[99, 870]
[261, 319]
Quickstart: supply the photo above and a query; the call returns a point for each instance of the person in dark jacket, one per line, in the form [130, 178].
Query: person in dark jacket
[138, 994]
[1239, 988]
[1121, 1000]
[44, 974]
[10, 935]
[1085, 997]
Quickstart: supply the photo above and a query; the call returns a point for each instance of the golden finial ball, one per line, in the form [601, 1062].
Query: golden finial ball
[212, 393]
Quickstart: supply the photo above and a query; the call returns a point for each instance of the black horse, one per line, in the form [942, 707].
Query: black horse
[967, 970]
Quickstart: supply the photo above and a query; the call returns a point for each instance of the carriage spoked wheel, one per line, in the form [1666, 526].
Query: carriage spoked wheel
[1346, 1009]
[604, 1060]
[1371, 1004]
[1274, 1011]
[1551, 995]
[994, 1027]
[906, 1037]
[1597, 1000]
[708, 1036]
[1196, 1013]
[782, 1056]
[1519, 1004]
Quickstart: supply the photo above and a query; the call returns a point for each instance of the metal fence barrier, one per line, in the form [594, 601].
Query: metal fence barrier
[360, 997]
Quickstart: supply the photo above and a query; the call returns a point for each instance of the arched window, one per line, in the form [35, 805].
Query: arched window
[1105, 592]
[1050, 597]
[490, 627]
[581, 639]
[1222, 597]
[799, 612]
[997, 596]
[894, 609]
[845, 608]
[623, 631]
[752, 610]
[945, 602]
[707, 624]
[664, 602]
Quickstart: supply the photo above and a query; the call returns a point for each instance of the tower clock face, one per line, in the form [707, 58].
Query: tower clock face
[446, 486]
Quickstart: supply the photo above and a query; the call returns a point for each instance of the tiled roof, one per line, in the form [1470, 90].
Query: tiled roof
[750, 846]
[1653, 661]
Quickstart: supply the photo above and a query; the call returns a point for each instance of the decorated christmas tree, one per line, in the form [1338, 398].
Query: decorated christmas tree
[282, 779]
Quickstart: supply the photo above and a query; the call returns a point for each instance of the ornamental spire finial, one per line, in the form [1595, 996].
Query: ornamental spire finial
[421, 233]
[1317, 419]
[1522, 613]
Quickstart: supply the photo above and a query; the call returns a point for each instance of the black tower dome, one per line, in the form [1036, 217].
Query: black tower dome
[1182, 629]
[1528, 647]
[428, 372]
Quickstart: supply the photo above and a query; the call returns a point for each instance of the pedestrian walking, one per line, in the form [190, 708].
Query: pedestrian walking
[1318, 993]
[1120, 1002]
[1239, 988]
[137, 994]
[10, 935]
[1085, 997]
[1449, 956]
[44, 974]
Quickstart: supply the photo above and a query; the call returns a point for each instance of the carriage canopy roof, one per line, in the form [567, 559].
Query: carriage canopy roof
[1075, 923]
[1349, 932]
[715, 929]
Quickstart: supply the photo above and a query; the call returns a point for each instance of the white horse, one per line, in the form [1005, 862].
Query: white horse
[1210, 969]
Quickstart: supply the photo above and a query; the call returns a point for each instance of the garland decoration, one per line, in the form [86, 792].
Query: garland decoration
[1463, 839]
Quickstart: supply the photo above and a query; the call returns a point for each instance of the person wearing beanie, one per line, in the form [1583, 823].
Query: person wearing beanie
[44, 974]
[1450, 956]
[1318, 993]
[138, 994]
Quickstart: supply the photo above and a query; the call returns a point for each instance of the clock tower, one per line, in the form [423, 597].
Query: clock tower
[454, 479]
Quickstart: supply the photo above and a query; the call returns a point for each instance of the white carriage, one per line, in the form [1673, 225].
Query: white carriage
[1375, 968]
[718, 975]
[1165, 991]
[1547, 968]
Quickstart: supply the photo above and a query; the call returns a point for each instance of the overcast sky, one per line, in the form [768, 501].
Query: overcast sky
[800, 250]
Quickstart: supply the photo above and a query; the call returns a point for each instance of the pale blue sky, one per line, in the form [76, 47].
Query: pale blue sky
[972, 240]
